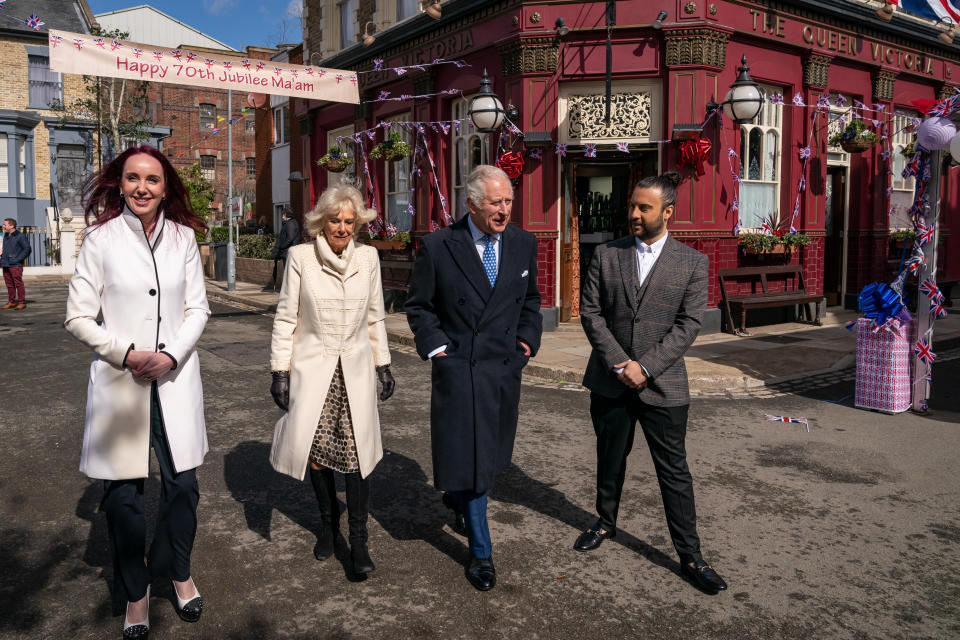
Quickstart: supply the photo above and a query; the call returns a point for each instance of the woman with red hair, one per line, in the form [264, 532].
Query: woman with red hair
[140, 269]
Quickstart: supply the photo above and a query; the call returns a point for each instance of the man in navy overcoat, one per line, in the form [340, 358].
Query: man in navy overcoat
[474, 309]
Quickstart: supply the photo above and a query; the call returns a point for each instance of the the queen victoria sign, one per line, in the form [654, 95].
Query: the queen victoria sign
[92, 55]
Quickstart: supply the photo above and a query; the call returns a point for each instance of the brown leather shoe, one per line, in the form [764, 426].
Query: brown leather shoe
[20, 307]
[9, 305]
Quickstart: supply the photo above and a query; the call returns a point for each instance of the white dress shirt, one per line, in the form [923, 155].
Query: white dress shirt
[480, 244]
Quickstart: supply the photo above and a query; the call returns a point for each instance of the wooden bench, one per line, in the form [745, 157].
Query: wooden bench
[766, 298]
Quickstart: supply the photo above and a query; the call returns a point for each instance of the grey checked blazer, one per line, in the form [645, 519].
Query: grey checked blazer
[655, 330]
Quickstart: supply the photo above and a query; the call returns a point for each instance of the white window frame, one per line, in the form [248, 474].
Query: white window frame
[22, 164]
[209, 174]
[248, 173]
[347, 35]
[348, 146]
[31, 81]
[4, 163]
[461, 145]
[211, 117]
[901, 198]
[416, 6]
[768, 121]
[281, 130]
[401, 196]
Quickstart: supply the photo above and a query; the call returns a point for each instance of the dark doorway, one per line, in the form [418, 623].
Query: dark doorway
[834, 245]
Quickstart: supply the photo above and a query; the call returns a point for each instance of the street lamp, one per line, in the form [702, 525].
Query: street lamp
[745, 98]
[486, 110]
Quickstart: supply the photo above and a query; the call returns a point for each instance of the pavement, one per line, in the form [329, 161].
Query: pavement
[774, 354]
[848, 530]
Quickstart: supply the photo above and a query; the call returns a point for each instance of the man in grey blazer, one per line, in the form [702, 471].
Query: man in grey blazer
[641, 306]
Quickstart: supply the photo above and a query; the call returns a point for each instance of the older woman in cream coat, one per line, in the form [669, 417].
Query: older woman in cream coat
[329, 347]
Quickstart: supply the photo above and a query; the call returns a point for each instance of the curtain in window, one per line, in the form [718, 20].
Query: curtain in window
[45, 86]
[4, 166]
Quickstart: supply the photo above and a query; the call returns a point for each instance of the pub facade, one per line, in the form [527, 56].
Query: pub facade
[664, 63]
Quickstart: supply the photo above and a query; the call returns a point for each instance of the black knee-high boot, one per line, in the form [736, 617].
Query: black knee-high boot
[326, 490]
[358, 498]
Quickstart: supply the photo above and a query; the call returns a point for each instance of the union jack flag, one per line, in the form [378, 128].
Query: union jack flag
[321, 73]
[734, 205]
[1, 3]
[736, 228]
[929, 288]
[765, 228]
[55, 40]
[536, 153]
[515, 130]
[804, 153]
[191, 56]
[309, 71]
[590, 150]
[796, 208]
[434, 226]
[802, 185]
[561, 150]
[802, 421]
[623, 146]
[385, 124]
[339, 77]
[460, 64]
[158, 55]
[137, 52]
[880, 108]
[885, 154]
[876, 123]
[294, 72]
[923, 351]
[776, 98]
[447, 219]
[400, 70]
[209, 62]
[859, 105]
[378, 64]
[798, 100]
[177, 53]
[78, 43]
[227, 65]
[245, 63]
[736, 178]
[278, 71]
[945, 107]
[926, 235]
[411, 210]
[100, 43]
[841, 100]
[445, 127]
[391, 230]
[937, 310]
[115, 45]
[731, 153]
[370, 135]
[916, 263]
[352, 79]
[34, 22]
[793, 229]
[823, 102]
[383, 95]
[260, 65]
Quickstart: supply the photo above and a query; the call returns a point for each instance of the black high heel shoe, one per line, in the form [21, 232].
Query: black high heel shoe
[189, 609]
[137, 630]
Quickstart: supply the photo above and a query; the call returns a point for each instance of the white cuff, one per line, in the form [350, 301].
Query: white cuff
[440, 349]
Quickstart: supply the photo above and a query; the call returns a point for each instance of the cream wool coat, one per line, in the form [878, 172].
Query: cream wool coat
[330, 308]
[155, 301]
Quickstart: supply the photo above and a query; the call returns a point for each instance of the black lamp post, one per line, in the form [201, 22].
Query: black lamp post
[744, 100]
[485, 110]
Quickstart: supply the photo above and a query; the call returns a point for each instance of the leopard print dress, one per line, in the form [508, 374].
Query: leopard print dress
[334, 446]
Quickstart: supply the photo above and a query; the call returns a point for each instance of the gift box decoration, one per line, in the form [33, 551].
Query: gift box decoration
[883, 367]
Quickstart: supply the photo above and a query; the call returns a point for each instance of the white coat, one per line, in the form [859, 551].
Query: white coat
[151, 301]
[330, 309]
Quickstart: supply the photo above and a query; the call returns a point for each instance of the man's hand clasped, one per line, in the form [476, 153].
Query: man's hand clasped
[632, 375]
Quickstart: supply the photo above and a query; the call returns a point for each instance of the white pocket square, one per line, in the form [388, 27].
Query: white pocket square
[524, 274]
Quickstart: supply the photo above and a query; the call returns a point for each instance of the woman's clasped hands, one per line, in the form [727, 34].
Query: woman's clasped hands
[148, 365]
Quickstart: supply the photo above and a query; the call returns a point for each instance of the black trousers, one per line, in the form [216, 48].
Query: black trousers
[665, 428]
[176, 519]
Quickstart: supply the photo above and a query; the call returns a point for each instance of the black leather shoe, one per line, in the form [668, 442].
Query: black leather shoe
[459, 522]
[189, 609]
[482, 574]
[592, 538]
[704, 577]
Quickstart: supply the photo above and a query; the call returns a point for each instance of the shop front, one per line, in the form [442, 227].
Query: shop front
[594, 119]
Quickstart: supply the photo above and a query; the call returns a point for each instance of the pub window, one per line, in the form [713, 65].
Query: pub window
[342, 138]
[4, 165]
[208, 167]
[406, 9]
[281, 125]
[397, 179]
[251, 167]
[901, 198]
[760, 164]
[208, 116]
[250, 124]
[46, 87]
[468, 149]
[347, 15]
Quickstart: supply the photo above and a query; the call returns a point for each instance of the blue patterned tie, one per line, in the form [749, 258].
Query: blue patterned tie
[490, 259]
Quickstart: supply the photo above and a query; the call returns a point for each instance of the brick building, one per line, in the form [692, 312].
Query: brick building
[549, 60]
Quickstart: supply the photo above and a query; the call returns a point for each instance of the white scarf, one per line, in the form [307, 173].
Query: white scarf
[331, 259]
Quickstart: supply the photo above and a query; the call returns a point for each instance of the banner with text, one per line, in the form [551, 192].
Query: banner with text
[91, 55]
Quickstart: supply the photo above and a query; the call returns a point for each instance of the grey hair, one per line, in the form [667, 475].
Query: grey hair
[331, 202]
[477, 180]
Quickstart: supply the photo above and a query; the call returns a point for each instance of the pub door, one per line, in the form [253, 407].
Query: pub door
[835, 244]
[596, 193]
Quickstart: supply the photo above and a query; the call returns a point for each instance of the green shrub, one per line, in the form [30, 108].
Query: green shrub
[256, 246]
[218, 234]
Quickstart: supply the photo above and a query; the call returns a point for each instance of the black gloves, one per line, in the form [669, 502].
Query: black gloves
[280, 389]
[387, 382]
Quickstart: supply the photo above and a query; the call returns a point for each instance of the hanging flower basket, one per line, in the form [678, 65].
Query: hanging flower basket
[856, 137]
[335, 160]
[392, 149]
[857, 145]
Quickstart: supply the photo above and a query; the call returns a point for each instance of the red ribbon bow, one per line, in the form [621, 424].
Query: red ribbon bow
[693, 153]
[511, 163]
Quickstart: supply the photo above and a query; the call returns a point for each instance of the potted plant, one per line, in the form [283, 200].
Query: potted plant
[909, 150]
[396, 242]
[335, 160]
[392, 149]
[793, 241]
[856, 137]
[900, 238]
[757, 243]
